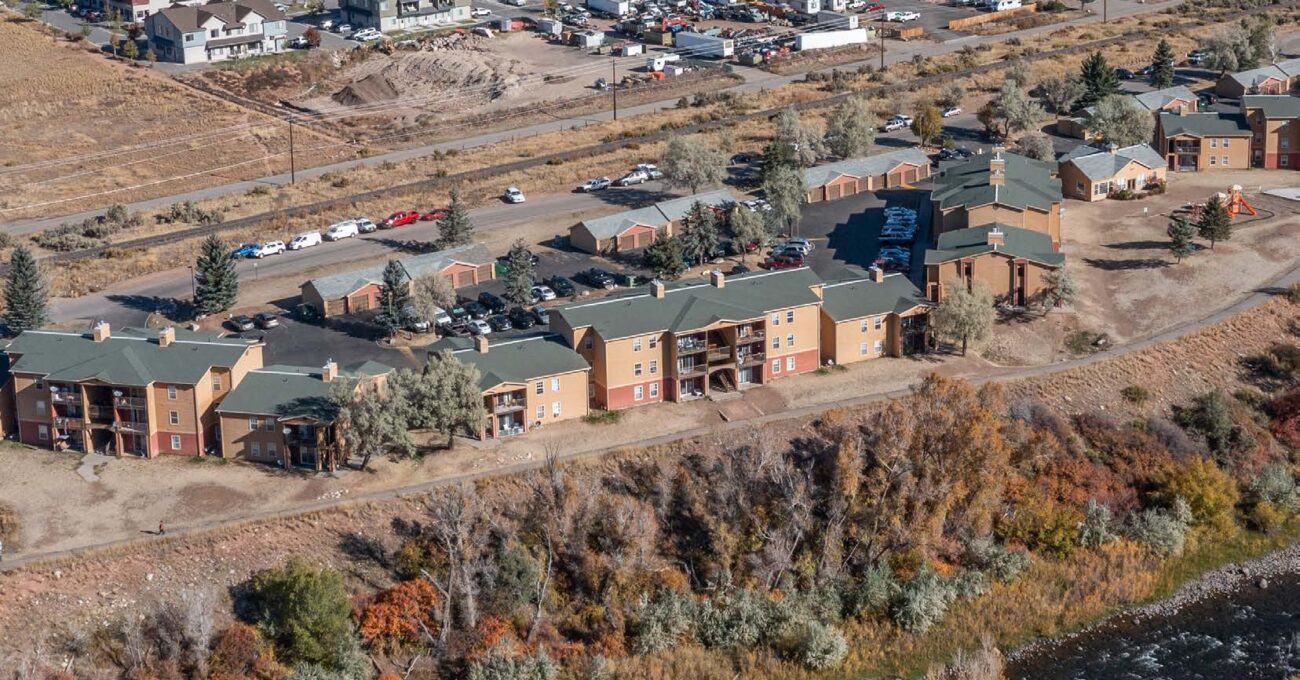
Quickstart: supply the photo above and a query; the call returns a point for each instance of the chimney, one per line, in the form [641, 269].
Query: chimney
[996, 238]
[481, 344]
[997, 169]
[877, 274]
[718, 279]
[1183, 111]
[166, 336]
[101, 331]
[330, 371]
[657, 289]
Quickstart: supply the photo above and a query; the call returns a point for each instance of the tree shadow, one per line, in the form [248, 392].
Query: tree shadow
[631, 197]
[171, 308]
[362, 548]
[1139, 245]
[408, 246]
[1126, 265]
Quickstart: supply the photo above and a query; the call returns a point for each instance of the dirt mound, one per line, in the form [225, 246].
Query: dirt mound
[373, 88]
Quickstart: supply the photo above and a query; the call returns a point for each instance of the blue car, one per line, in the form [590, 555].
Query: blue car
[245, 250]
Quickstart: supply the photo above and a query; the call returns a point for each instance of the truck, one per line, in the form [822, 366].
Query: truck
[708, 46]
[614, 7]
[825, 39]
[657, 63]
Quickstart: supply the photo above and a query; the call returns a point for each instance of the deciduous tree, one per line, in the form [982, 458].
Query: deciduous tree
[965, 315]
[1162, 65]
[699, 232]
[216, 283]
[747, 227]
[1061, 93]
[1230, 50]
[1059, 288]
[1215, 224]
[785, 191]
[519, 273]
[804, 140]
[370, 422]
[1009, 112]
[1120, 120]
[927, 124]
[1036, 145]
[952, 95]
[430, 293]
[455, 229]
[691, 162]
[312, 36]
[851, 130]
[25, 294]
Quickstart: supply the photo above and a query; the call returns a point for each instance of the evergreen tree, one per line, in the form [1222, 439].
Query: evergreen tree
[665, 258]
[455, 229]
[24, 292]
[1099, 79]
[216, 283]
[519, 274]
[700, 232]
[1180, 238]
[1162, 66]
[394, 297]
[1215, 223]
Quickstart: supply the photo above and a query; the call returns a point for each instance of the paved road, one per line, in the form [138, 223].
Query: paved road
[593, 447]
[755, 80]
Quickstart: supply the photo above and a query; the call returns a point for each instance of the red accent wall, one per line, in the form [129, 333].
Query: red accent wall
[625, 396]
[804, 362]
[162, 443]
[29, 433]
[1271, 161]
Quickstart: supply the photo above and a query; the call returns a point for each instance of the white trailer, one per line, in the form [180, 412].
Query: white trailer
[706, 46]
[821, 40]
[658, 63]
[616, 7]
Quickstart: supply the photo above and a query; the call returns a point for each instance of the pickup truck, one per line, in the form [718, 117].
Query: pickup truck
[901, 17]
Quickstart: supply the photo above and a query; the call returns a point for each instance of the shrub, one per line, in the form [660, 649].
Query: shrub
[1293, 293]
[500, 665]
[1095, 530]
[998, 561]
[1210, 416]
[737, 619]
[599, 417]
[240, 651]
[11, 525]
[1043, 525]
[1266, 517]
[1274, 484]
[1135, 394]
[305, 610]
[816, 646]
[923, 602]
[412, 560]
[1162, 530]
[873, 594]
[662, 624]
[1281, 362]
[398, 616]
[1209, 492]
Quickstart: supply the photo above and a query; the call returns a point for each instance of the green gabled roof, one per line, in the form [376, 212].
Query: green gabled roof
[131, 356]
[691, 306]
[1203, 125]
[293, 391]
[1273, 105]
[1034, 246]
[851, 293]
[1028, 184]
[516, 360]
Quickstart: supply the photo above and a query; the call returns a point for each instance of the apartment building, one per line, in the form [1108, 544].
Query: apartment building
[527, 382]
[1274, 122]
[641, 227]
[855, 175]
[1093, 173]
[1192, 142]
[217, 31]
[1013, 263]
[404, 15]
[1279, 78]
[357, 291]
[687, 340]
[870, 314]
[284, 415]
[998, 188]
[131, 392]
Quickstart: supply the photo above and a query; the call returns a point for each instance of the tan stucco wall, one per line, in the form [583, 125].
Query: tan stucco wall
[806, 329]
[842, 341]
[619, 359]
[993, 270]
[236, 436]
[572, 396]
[1071, 178]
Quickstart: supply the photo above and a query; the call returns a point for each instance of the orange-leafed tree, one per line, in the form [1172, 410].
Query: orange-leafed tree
[401, 615]
[241, 653]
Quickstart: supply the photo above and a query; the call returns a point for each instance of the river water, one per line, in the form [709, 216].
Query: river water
[1249, 633]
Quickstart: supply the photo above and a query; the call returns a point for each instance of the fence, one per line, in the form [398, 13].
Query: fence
[958, 24]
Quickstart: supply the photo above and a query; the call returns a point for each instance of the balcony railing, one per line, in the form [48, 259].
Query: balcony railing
[690, 346]
[508, 406]
[131, 426]
[130, 402]
[66, 397]
[752, 337]
[69, 423]
[687, 370]
[719, 355]
[751, 358]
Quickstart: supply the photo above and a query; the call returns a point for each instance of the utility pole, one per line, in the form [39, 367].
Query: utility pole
[293, 175]
[613, 83]
[194, 293]
[1105, 11]
[882, 41]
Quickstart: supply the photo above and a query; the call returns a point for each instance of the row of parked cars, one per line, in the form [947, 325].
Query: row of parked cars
[788, 254]
[643, 172]
[896, 238]
[338, 231]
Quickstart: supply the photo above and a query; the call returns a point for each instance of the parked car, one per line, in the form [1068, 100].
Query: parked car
[514, 195]
[803, 244]
[561, 286]
[416, 323]
[739, 269]
[893, 124]
[365, 226]
[367, 35]
[281, 6]
[598, 184]
[599, 278]
[902, 17]
[951, 111]
[244, 250]
[757, 205]
[855, 5]
[480, 12]
[476, 310]
[1147, 70]
[500, 322]
[433, 215]
[441, 318]
[543, 316]
[954, 154]
[305, 240]
[1198, 57]
[634, 177]
[783, 262]
[1123, 74]
[343, 29]
[651, 170]
[269, 248]
[266, 320]
[458, 313]
[493, 303]
[400, 218]
[341, 230]
[458, 329]
[521, 318]
[241, 322]
[542, 293]
[300, 43]
[875, 8]
[478, 327]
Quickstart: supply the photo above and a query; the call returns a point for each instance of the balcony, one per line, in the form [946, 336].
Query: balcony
[719, 355]
[63, 423]
[693, 369]
[751, 338]
[65, 397]
[131, 427]
[691, 345]
[300, 436]
[751, 359]
[508, 406]
[130, 402]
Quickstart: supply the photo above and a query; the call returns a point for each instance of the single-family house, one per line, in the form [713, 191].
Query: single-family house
[855, 175]
[998, 188]
[404, 15]
[640, 227]
[1175, 99]
[1192, 142]
[1274, 121]
[358, 291]
[1011, 261]
[217, 31]
[1278, 78]
[871, 314]
[1092, 173]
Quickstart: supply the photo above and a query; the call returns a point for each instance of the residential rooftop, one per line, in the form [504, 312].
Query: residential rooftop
[294, 391]
[1273, 105]
[1210, 124]
[656, 215]
[867, 166]
[1027, 183]
[1282, 70]
[852, 293]
[516, 360]
[1158, 99]
[191, 18]
[416, 266]
[130, 356]
[1031, 245]
[1102, 162]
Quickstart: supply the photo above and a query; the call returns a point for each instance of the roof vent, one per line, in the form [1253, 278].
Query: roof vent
[166, 336]
[657, 289]
[101, 331]
[330, 371]
[481, 344]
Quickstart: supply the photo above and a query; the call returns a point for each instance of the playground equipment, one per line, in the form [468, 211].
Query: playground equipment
[1234, 201]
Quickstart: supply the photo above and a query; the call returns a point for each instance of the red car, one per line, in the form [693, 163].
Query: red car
[433, 215]
[784, 262]
[876, 8]
[400, 218]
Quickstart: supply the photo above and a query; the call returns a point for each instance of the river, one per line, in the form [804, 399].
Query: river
[1248, 632]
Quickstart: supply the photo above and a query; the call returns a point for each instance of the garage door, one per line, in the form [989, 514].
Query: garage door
[359, 303]
[834, 191]
[910, 175]
[895, 179]
[464, 279]
[626, 243]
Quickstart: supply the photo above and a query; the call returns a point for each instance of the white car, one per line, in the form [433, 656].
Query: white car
[305, 240]
[479, 327]
[480, 12]
[634, 177]
[367, 35]
[341, 230]
[951, 111]
[651, 170]
[343, 29]
[269, 248]
[803, 245]
[543, 293]
[365, 226]
[441, 318]
[514, 195]
[598, 184]
[282, 7]
[893, 124]
[901, 17]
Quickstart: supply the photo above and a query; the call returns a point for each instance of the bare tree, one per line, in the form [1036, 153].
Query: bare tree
[458, 527]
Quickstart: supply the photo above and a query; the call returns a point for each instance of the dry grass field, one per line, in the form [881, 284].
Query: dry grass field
[77, 123]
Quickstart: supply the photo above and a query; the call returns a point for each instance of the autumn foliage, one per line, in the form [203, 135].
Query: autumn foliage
[400, 615]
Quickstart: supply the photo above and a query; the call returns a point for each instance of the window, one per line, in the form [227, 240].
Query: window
[555, 384]
[776, 342]
[776, 366]
[40, 407]
[654, 389]
[654, 367]
[636, 345]
[270, 424]
[880, 322]
[174, 417]
[270, 449]
[214, 33]
[216, 383]
[776, 319]
[1213, 160]
[862, 349]
[40, 384]
[654, 342]
[176, 442]
[789, 316]
[880, 347]
[1283, 161]
[588, 342]
[1225, 142]
[1078, 187]
[189, 37]
[253, 424]
[1225, 161]
[539, 388]
[43, 432]
[638, 393]
[254, 448]
[863, 326]
[789, 363]
[171, 391]
[1214, 143]
[789, 340]
[555, 409]
[636, 369]
[541, 411]
[1284, 142]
